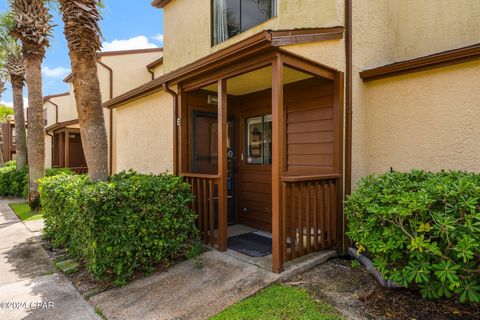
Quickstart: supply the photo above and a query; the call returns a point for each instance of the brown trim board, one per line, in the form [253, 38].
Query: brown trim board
[160, 3]
[60, 125]
[155, 63]
[429, 62]
[47, 98]
[262, 42]
[118, 53]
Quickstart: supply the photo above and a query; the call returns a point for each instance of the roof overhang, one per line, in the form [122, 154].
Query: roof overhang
[432, 61]
[49, 97]
[118, 53]
[160, 3]
[261, 43]
[155, 63]
[61, 125]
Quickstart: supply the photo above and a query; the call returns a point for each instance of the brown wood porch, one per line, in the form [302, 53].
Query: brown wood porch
[67, 150]
[261, 143]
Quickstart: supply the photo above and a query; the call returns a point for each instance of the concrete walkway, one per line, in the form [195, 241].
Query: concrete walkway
[29, 289]
[185, 291]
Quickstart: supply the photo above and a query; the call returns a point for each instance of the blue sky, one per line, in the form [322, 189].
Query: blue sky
[126, 25]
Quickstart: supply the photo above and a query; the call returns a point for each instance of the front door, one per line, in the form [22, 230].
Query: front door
[205, 155]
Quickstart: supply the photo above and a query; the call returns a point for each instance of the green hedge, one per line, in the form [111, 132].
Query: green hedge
[130, 223]
[14, 183]
[422, 229]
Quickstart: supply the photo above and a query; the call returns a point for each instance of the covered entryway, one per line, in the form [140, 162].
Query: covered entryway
[260, 142]
[67, 150]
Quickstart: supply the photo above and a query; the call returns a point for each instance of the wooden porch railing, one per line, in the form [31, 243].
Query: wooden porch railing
[203, 188]
[309, 214]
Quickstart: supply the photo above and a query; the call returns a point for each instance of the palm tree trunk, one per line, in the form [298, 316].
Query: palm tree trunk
[36, 127]
[1, 152]
[21, 136]
[90, 114]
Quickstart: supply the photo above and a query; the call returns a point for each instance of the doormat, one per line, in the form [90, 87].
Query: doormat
[251, 244]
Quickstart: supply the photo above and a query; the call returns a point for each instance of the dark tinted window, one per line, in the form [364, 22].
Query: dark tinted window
[231, 17]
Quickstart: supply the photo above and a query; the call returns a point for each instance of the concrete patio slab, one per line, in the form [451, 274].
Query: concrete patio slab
[48, 297]
[23, 261]
[185, 291]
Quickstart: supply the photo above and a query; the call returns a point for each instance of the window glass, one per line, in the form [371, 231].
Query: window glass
[267, 139]
[231, 17]
[254, 140]
[255, 12]
[259, 140]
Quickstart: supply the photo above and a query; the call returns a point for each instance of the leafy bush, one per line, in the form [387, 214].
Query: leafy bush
[130, 223]
[11, 163]
[421, 229]
[14, 183]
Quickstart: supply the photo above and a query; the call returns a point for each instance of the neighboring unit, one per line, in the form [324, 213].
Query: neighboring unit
[8, 136]
[118, 71]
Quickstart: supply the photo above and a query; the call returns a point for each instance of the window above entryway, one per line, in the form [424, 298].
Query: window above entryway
[231, 17]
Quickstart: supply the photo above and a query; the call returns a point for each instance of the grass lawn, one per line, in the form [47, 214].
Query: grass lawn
[279, 302]
[22, 210]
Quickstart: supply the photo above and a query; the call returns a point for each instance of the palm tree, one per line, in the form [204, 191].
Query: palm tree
[81, 19]
[32, 27]
[3, 82]
[14, 67]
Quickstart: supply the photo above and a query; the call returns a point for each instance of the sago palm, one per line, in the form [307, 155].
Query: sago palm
[81, 19]
[32, 27]
[14, 67]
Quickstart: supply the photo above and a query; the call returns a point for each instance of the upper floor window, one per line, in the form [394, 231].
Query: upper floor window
[231, 17]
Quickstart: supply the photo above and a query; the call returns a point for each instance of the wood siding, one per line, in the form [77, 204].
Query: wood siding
[310, 127]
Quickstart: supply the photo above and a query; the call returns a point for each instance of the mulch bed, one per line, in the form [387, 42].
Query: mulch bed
[356, 294]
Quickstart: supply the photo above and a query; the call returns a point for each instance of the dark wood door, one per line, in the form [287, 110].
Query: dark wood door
[205, 152]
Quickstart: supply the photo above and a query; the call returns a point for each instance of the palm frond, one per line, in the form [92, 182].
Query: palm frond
[81, 19]
[32, 25]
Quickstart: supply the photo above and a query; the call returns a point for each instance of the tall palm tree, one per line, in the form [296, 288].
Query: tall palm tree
[3, 82]
[14, 66]
[81, 19]
[32, 27]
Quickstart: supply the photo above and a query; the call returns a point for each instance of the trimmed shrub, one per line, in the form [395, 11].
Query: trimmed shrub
[130, 223]
[422, 229]
[14, 183]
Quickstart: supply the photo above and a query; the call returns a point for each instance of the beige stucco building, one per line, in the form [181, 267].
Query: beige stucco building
[422, 120]
[271, 102]
[118, 72]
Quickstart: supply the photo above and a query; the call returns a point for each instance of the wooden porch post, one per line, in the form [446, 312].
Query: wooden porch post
[222, 165]
[181, 125]
[278, 117]
[67, 148]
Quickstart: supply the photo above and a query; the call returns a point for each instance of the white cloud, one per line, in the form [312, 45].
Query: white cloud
[7, 103]
[158, 37]
[58, 72]
[10, 103]
[139, 42]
